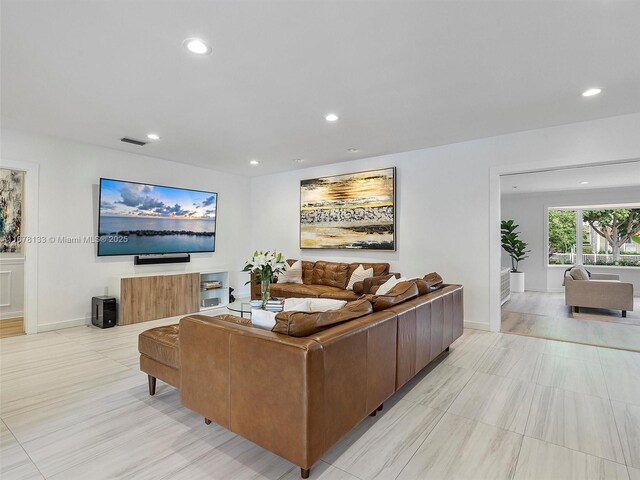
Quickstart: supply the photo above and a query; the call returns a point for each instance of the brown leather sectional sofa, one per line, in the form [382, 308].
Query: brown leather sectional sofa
[327, 280]
[297, 396]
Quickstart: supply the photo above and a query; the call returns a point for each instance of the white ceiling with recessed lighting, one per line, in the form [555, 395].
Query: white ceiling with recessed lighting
[582, 178]
[399, 75]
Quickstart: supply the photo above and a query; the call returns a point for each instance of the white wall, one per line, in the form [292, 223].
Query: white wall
[530, 212]
[70, 274]
[443, 199]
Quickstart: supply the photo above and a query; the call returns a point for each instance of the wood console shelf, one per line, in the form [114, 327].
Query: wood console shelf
[143, 298]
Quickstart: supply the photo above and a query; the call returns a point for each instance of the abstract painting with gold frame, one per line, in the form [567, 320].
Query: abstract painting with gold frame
[354, 210]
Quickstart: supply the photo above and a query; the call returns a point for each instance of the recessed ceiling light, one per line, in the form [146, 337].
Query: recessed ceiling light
[332, 117]
[298, 160]
[153, 136]
[584, 183]
[352, 150]
[197, 46]
[254, 162]
[591, 92]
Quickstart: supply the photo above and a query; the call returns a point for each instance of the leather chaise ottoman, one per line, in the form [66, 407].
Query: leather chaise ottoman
[160, 355]
[159, 349]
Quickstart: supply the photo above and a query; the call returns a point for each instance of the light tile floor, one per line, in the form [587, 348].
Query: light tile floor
[545, 315]
[73, 405]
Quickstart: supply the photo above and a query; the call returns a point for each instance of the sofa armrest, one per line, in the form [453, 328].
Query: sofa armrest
[604, 276]
[373, 282]
[266, 387]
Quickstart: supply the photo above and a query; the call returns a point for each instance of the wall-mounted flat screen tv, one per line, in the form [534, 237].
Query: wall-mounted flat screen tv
[144, 219]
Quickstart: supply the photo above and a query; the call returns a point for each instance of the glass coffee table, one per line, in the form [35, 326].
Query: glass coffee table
[240, 306]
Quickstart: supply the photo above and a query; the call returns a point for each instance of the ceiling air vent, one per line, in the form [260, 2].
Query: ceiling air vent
[132, 141]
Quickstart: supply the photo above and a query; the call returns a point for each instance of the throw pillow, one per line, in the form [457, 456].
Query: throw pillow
[359, 274]
[325, 304]
[296, 305]
[263, 319]
[400, 293]
[302, 324]
[579, 273]
[389, 284]
[291, 273]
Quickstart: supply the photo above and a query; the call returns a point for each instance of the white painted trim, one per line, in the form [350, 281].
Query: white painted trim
[30, 228]
[8, 272]
[10, 315]
[495, 251]
[77, 322]
[12, 261]
[477, 326]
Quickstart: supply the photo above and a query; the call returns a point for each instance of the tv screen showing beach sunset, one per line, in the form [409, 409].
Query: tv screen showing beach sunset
[139, 219]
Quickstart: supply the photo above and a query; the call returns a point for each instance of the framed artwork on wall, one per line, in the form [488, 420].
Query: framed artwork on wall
[349, 211]
[11, 193]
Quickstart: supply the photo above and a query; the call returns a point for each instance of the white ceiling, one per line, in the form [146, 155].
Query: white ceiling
[401, 75]
[601, 176]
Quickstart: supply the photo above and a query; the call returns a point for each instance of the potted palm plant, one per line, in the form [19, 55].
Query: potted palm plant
[517, 250]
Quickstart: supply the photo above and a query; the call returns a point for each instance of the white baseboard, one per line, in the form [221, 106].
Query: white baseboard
[10, 315]
[77, 322]
[477, 325]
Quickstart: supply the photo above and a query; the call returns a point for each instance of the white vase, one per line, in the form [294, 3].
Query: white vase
[516, 281]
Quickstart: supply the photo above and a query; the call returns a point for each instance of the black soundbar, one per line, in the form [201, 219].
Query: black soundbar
[153, 259]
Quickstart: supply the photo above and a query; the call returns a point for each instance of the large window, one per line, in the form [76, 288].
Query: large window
[587, 236]
[562, 237]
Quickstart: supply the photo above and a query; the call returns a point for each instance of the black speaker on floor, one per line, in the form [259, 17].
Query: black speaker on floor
[104, 313]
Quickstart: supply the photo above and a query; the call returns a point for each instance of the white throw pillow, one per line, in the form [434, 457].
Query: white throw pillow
[358, 275]
[579, 273]
[296, 305]
[263, 319]
[325, 304]
[389, 284]
[291, 274]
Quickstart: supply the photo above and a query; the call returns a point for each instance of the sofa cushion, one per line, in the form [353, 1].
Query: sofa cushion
[291, 273]
[331, 274]
[307, 272]
[301, 324]
[339, 294]
[401, 292]
[293, 290]
[579, 273]
[358, 275]
[161, 344]
[422, 284]
[378, 268]
[434, 281]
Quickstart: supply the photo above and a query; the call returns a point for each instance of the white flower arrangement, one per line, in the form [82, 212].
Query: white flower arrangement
[265, 266]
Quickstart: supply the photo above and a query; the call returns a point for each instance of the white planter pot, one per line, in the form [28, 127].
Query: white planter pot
[517, 281]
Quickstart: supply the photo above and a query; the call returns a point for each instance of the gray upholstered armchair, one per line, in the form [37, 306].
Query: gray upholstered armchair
[599, 291]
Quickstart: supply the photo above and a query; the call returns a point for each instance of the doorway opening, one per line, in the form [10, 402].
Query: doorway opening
[12, 258]
[578, 277]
